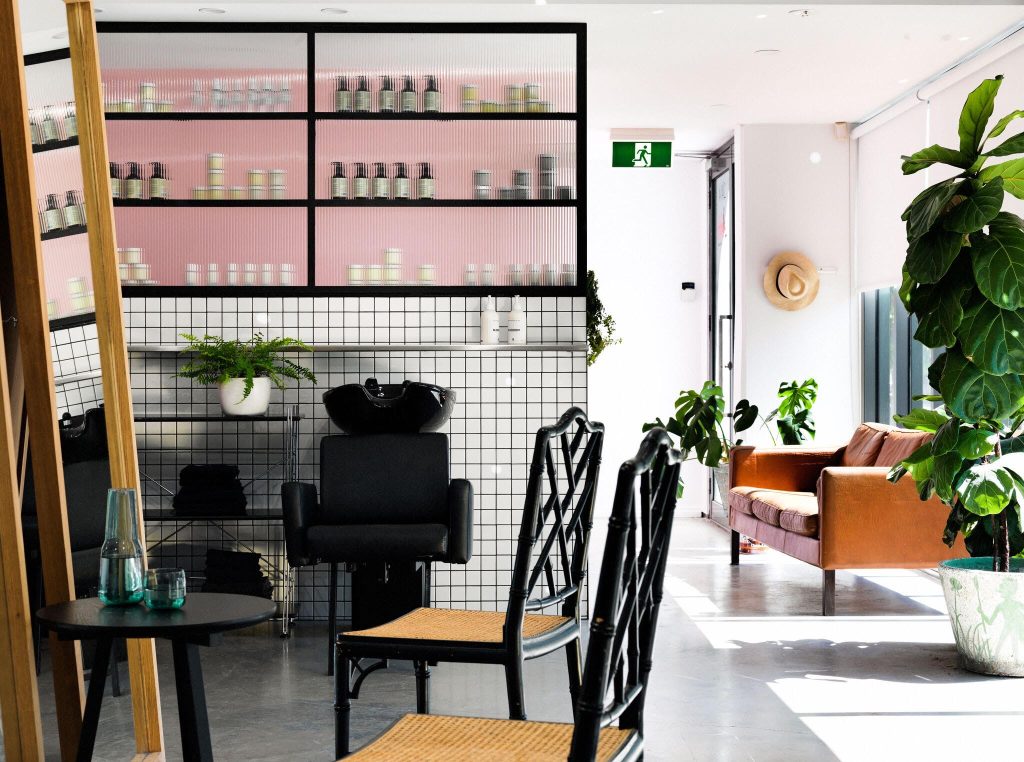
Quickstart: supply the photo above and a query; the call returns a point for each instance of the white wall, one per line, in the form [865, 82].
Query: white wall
[646, 235]
[786, 202]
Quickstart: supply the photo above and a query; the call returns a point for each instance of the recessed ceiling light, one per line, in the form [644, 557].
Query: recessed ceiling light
[815, 157]
[60, 36]
[902, 81]
[768, 51]
[212, 10]
[540, 2]
[964, 38]
[801, 13]
[761, 16]
[719, 105]
[334, 11]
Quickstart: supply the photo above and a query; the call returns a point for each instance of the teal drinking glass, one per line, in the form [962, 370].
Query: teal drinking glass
[121, 554]
[165, 588]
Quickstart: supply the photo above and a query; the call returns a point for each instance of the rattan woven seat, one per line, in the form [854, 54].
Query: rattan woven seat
[422, 738]
[457, 625]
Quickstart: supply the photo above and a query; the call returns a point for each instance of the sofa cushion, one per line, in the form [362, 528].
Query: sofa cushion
[864, 445]
[742, 498]
[899, 444]
[793, 511]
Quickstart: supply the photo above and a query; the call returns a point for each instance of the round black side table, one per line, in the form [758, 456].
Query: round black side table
[198, 623]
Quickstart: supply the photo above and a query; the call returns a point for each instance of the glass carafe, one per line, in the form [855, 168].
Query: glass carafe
[121, 578]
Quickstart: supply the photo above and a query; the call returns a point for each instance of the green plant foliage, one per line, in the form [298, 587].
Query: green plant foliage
[218, 360]
[600, 325]
[963, 280]
[793, 416]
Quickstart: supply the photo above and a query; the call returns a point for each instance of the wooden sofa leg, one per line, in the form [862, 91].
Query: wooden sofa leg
[734, 548]
[828, 592]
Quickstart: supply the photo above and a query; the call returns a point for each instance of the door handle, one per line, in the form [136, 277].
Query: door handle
[722, 365]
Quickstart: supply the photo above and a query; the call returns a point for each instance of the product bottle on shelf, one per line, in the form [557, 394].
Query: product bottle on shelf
[36, 130]
[197, 95]
[51, 129]
[360, 183]
[431, 96]
[403, 185]
[52, 218]
[425, 184]
[517, 322]
[362, 95]
[407, 100]
[115, 180]
[159, 184]
[70, 121]
[342, 96]
[133, 182]
[74, 212]
[255, 94]
[339, 183]
[380, 181]
[386, 96]
[490, 323]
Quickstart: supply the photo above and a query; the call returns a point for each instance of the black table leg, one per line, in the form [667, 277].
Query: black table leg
[195, 725]
[93, 700]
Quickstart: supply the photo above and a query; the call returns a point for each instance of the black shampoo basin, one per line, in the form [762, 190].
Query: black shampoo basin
[373, 408]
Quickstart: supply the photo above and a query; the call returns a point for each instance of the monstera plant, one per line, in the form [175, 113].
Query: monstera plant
[793, 415]
[963, 280]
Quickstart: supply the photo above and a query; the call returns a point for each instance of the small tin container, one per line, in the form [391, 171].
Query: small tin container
[392, 274]
[550, 275]
[286, 276]
[278, 177]
[568, 275]
[547, 162]
[565, 193]
[192, 275]
[133, 255]
[140, 271]
[356, 275]
[427, 275]
[521, 178]
[149, 107]
[215, 161]
[236, 193]
[487, 275]
[469, 275]
[165, 107]
[267, 274]
[374, 275]
[199, 193]
[124, 271]
[212, 274]
[277, 192]
[514, 98]
[470, 98]
[535, 275]
[76, 285]
[232, 274]
[257, 178]
[531, 91]
[249, 274]
[215, 193]
[51, 308]
[147, 91]
[126, 105]
[515, 274]
[392, 256]
[257, 192]
[214, 176]
[506, 194]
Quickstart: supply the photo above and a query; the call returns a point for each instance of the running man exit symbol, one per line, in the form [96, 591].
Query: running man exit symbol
[642, 155]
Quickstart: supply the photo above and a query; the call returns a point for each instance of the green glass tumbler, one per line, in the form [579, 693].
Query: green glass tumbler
[121, 554]
[165, 588]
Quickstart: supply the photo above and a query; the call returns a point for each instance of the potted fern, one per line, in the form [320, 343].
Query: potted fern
[963, 279]
[244, 370]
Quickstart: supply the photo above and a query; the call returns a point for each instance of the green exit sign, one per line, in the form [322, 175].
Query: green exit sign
[643, 155]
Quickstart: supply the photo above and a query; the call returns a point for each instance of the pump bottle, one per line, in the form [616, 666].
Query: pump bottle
[490, 324]
[425, 184]
[402, 182]
[407, 100]
[342, 96]
[339, 183]
[517, 322]
[360, 183]
[380, 181]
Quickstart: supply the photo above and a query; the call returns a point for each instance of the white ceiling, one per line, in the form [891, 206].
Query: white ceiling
[690, 66]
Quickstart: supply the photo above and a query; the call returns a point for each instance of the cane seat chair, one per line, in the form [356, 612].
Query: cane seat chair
[618, 667]
[550, 568]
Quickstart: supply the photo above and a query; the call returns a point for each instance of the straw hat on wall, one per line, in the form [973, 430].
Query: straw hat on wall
[791, 281]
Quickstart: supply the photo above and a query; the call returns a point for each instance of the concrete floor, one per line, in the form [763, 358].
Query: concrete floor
[744, 669]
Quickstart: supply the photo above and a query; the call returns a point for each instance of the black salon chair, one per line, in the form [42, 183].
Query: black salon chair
[383, 498]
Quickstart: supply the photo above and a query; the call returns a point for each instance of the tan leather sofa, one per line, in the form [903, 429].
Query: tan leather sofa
[835, 509]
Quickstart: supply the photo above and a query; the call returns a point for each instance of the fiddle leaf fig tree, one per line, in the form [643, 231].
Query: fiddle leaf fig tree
[963, 279]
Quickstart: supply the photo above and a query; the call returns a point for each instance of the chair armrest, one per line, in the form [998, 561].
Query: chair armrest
[788, 468]
[300, 505]
[865, 522]
[460, 521]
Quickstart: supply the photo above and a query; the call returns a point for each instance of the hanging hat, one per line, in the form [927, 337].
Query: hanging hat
[791, 281]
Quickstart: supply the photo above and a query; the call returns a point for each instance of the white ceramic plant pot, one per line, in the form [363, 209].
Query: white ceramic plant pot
[722, 480]
[986, 609]
[256, 403]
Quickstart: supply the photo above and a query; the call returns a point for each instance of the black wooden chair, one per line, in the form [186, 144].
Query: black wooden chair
[550, 567]
[619, 657]
[383, 498]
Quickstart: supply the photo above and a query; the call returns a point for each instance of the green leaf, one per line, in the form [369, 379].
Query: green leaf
[1009, 146]
[922, 419]
[975, 115]
[977, 210]
[939, 312]
[935, 371]
[907, 288]
[986, 488]
[920, 464]
[927, 206]
[931, 255]
[1003, 123]
[935, 154]
[975, 396]
[744, 416]
[993, 339]
[946, 437]
[998, 261]
[944, 474]
[975, 443]
[1012, 173]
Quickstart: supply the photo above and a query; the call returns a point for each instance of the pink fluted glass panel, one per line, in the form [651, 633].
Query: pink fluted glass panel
[274, 65]
[172, 238]
[454, 149]
[448, 238]
[58, 172]
[64, 259]
[490, 61]
[183, 146]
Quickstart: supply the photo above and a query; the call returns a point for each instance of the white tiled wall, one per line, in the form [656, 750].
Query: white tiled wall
[503, 397]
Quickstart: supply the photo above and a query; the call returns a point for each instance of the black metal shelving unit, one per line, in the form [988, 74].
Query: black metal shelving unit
[55, 145]
[63, 233]
[312, 117]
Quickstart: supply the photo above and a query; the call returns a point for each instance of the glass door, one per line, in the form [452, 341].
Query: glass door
[721, 322]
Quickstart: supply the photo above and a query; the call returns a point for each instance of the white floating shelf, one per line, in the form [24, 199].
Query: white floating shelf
[549, 347]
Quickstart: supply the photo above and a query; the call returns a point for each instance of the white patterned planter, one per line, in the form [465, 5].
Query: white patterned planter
[255, 404]
[986, 609]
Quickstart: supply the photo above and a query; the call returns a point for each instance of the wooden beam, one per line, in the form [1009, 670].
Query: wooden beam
[34, 339]
[19, 694]
[117, 393]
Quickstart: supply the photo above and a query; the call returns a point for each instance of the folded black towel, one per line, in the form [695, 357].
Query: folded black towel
[232, 560]
[208, 475]
[261, 589]
[194, 500]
